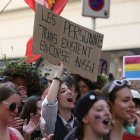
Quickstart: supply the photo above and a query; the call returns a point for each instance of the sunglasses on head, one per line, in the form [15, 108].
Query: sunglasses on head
[12, 106]
[118, 83]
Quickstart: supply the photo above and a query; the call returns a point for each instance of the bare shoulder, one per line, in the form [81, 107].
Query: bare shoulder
[18, 134]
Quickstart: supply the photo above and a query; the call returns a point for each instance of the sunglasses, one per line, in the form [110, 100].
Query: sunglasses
[12, 106]
[118, 83]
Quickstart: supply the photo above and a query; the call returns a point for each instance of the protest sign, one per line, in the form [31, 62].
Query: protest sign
[104, 63]
[131, 67]
[47, 69]
[58, 39]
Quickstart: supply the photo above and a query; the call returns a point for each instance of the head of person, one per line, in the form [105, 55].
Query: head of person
[32, 106]
[93, 112]
[9, 103]
[22, 90]
[120, 98]
[84, 85]
[67, 93]
[19, 80]
[136, 99]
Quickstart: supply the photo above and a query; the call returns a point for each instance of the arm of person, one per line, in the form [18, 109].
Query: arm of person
[54, 88]
[50, 103]
[49, 114]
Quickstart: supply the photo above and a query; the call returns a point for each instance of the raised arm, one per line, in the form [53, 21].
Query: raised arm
[54, 88]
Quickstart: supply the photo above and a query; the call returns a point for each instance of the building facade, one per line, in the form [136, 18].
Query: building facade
[121, 30]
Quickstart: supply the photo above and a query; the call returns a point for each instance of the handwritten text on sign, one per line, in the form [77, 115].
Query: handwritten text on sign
[58, 39]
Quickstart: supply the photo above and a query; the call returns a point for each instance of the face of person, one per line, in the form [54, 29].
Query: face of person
[19, 81]
[137, 108]
[7, 116]
[98, 118]
[22, 90]
[123, 107]
[83, 88]
[66, 97]
[39, 107]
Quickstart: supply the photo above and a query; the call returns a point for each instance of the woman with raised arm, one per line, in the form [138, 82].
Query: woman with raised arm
[57, 106]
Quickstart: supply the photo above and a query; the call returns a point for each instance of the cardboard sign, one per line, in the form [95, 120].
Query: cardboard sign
[136, 85]
[58, 39]
[128, 136]
[131, 67]
[104, 63]
[46, 69]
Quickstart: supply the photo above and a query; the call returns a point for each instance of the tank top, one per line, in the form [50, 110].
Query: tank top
[13, 135]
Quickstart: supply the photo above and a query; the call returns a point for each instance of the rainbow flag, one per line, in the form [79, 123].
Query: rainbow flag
[131, 66]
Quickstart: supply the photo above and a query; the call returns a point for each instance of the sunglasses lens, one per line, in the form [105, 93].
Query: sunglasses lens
[119, 82]
[12, 107]
[126, 82]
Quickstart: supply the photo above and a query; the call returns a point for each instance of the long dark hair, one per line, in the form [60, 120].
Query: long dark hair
[30, 106]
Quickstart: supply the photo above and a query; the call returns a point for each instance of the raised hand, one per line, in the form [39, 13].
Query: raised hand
[59, 70]
[17, 123]
[32, 125]
[137, 129]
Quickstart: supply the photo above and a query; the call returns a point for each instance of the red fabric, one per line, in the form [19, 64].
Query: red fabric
[31, 3]
[128, 136]
[30, 56]
[59, 6]
[13, 135]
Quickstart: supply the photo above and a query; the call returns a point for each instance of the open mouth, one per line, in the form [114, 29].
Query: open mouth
[70, 99]
[106, 122]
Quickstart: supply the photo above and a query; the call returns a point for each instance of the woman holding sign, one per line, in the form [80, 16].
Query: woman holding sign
[57, 106]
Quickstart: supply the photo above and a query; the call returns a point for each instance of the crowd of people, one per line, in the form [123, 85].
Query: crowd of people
[70, 107]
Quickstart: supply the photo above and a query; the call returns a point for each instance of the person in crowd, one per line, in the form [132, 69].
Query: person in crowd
[57, 106]
[9, 103]
[32, 110]
[130, 124]
[24, 74]
[136, 99]
[94, 117]
[22, 90]
[17, 123]
[122, 106]
[72, 134]
[84, 85]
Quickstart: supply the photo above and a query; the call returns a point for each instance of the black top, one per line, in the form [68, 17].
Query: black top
[60, 130]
